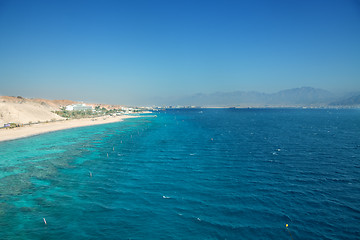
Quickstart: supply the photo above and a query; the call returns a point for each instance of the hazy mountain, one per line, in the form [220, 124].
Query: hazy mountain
[301, 96]
[305, 96]
[350, 101]
[222, 98]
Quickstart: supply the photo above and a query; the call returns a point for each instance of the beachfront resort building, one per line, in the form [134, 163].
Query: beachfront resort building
[78, 107]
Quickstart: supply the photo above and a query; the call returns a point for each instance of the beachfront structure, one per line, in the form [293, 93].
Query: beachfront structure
[78, 107]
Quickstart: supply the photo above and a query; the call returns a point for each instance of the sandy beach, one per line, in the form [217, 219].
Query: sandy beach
[35, 129]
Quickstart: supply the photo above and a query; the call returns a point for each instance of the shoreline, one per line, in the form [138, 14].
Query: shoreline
[41, 128]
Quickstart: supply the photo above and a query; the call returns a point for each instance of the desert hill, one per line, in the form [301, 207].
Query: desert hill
[22, 110]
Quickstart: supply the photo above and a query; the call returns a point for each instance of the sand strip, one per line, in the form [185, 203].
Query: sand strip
[35, 129]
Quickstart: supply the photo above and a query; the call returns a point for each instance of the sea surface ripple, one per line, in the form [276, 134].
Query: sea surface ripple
[188, 174]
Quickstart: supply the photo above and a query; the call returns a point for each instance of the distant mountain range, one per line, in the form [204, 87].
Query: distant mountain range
[350, 101]
[296, 97]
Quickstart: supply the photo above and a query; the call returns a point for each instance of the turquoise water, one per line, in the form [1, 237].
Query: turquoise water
[188, 174]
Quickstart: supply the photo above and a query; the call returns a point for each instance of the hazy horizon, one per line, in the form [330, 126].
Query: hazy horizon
[128, 52]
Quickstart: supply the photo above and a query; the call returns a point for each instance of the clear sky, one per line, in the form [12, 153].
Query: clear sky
[127, 52]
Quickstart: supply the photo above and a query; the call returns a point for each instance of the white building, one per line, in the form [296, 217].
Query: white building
[78, 107]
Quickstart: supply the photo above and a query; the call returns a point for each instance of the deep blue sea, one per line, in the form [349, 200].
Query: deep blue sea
[188, 174]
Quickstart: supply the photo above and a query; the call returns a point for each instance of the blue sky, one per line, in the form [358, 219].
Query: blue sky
[127, 52]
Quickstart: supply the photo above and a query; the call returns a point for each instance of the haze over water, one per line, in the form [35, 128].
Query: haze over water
[188, 174]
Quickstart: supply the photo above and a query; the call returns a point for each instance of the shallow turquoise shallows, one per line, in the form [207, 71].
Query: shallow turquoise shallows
[188, 174]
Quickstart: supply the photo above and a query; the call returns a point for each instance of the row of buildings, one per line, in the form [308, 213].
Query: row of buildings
[84, 107]
[78, 107]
